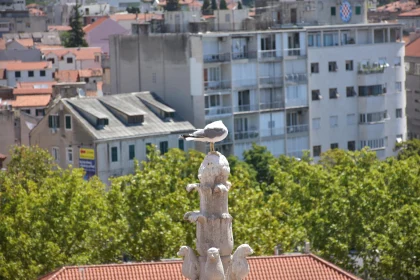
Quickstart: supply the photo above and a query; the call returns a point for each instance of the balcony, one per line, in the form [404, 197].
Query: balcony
[278, 131]
[217, 111]
[246, 108]
[246, 135]
[297, 78]
[219, 57]
[293, 52]
[268, 54]
[244, 84]
[370, 69]
[244, 55]
[297, 128]
[271, 81]
[217, 85]
[271, 105]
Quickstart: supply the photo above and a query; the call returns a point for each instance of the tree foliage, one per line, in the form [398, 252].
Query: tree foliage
[223, 5]
[133, 10]
[206, 8]
[214, 5]
[172, 5]
[240, 5]
[353, 208]
[76, 36]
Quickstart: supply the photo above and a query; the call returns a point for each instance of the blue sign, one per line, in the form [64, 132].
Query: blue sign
[345, 11]
[89, 166]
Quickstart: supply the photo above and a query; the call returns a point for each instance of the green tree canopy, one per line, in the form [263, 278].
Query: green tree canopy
[206, 8]
[214, 5]
[223, 5]
[172, 5]
[240, 5]
[76, 36]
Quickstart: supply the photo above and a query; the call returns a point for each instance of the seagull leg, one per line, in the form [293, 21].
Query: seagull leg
[211, 147]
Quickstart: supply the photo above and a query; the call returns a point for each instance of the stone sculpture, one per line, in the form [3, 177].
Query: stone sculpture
[190, 267]
[214, 226]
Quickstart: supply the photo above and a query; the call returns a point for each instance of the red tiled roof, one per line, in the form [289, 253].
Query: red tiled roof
[412, 13]
[80, 53]
[69, 76]
[397, 6]
[91, 93]
[28, 66]
[140, 17]
[3, 157]
[23, 101]
[32, 91]
[92, 26]
[284, 267]
[87, 73]
[34, 84]
[59, 28]
[413, 48]
[36, 12]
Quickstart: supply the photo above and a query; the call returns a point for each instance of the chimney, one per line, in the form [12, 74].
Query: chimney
[307, 249]
[278, 250]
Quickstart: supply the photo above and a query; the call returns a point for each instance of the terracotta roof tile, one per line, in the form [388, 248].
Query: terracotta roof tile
[59, 28]
[412, 13]
[35, 84]
[397, 6]
[3, 157]
[140, 17]
[285, 267]
[413, 48]
[25, 42]
[87, 73]
[23, 101]
[91, 93]
[69, 76]
[28, 66]
[92, 26]
[32, 91]
[36, 12]
[80, 53]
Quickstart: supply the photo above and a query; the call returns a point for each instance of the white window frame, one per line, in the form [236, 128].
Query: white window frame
[333, 121]
[69, 159]
[55, 152]
[398, 86]
[65, 122]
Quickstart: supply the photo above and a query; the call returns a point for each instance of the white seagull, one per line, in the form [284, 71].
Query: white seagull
[213, 132]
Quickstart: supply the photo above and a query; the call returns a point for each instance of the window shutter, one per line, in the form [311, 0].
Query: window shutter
[50, 121]
[58, 121]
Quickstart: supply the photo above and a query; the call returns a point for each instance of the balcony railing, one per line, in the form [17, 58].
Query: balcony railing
[215, 111]
[271, 105]
[244, 135]
[272, 81]
[370, 69]
[297, 128]
[246, 108]
[244, 55]
[269, 54]
[293, 52]
[296, 78]
[296, 154]
[278, 131]
[218, 57]
[244, 83]
[217, 85]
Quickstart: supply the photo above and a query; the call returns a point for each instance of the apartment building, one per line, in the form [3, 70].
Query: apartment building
[412, 67]
[41, 71]
[21, 22]
[103, 135]
[291, 88]
[73, 58]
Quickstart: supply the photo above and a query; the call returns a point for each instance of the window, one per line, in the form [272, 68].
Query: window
[114, 154]
[181, 144]
[154, 78]
[69, 60]
[96, 58]
[351, 145]
[56, 153]
[316, 123]
[373, 117]
[332, 66]
[28, 25]
[397, 61]
[52, 60]
[131, 152]
[333, 93]
[398, 86]
[350, 92]
[334, 146]
[349, 65]
[212, 101]
[314, 40]
[40, 112]
[371, 90]
[351, 119]
[27, 111]
[333, 12]
[417, 70]
[53, 121]
[68, 122]
[398, 113]
[17, 74]
[316, 95]
[315, 67]
[358, 10]
[163, 147]
[227, 18]
[42, 73]
[317, 151]
[333, 121]
[373, 144]
[69, 155]
[30, 73]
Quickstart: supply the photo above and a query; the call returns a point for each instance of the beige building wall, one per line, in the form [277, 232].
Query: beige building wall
[8, 132]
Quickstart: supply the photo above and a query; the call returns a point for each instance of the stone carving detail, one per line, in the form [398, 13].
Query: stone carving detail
[190, 267]
[214, 226]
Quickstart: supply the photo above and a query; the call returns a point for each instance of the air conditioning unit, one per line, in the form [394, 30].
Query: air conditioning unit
[53, 130]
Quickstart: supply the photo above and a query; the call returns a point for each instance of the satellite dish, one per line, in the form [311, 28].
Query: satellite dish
[81, 92]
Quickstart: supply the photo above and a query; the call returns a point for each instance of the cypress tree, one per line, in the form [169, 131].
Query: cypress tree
[76, 36]
[223, 5]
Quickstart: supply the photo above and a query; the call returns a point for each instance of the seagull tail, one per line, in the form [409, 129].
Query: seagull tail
[187, 137]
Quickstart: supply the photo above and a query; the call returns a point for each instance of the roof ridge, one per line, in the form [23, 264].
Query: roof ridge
[338, 269]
